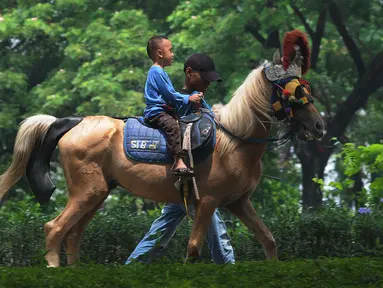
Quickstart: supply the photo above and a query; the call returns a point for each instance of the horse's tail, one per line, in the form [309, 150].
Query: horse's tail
[35, 142]
[29, 137]
[39, 164]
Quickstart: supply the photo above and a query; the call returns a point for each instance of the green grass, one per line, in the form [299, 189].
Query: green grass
[351, 272]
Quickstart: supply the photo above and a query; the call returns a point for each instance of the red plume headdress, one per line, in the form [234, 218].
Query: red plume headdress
[295, 60]
[295, 41]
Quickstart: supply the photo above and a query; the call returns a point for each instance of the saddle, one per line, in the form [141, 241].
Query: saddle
[143, 143]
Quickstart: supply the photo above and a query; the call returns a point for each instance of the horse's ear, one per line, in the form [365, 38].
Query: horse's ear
[298, 58]
[277, 57]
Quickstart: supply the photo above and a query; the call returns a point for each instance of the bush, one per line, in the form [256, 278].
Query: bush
[113, 234]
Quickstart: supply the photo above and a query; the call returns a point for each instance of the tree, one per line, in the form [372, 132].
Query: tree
[315, 155]
[338, 64]
[70, 58]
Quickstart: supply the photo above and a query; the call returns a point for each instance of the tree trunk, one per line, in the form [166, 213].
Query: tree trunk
[313, 157]
[312, 195]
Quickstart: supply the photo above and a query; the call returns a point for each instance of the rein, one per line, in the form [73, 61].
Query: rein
[285, 138]
[280, 180]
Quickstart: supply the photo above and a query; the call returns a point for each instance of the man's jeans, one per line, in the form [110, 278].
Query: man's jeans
[164, 227]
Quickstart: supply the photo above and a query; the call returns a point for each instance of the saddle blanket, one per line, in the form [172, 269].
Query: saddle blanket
[143, 143]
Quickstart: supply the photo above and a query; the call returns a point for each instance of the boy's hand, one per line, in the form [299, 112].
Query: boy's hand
[196, 98]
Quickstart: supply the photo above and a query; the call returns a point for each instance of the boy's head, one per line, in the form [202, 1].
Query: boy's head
[159, 49]
[200, 72]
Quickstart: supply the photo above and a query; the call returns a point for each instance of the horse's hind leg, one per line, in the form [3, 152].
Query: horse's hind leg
[244, 210]
[85, 193]
[73, 237]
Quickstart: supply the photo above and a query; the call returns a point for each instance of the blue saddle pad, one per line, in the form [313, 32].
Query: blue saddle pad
[143, 143]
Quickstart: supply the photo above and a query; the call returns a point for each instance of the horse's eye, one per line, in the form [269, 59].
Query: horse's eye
[310, 90]
[303, 91]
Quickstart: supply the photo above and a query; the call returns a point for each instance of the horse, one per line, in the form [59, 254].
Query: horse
[94, 162]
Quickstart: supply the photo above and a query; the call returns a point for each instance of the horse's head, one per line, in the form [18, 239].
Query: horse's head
[297, 104]
[292, 96]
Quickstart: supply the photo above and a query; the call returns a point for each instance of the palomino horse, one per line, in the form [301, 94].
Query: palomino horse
[93, 159]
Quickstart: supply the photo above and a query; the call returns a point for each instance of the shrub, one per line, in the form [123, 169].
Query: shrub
[114, 233]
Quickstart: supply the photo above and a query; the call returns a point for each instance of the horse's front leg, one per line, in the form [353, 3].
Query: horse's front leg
[203, 214]
[244, 210]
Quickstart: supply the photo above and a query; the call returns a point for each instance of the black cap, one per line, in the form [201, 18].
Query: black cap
[204, 65]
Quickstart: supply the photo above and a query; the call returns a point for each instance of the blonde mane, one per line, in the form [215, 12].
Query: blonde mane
[248, 107]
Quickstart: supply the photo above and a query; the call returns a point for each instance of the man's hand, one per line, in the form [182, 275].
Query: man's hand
[196, 98]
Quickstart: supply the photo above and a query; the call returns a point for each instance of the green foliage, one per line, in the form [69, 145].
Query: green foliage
[101, 71]
[370, 159]
[355, 272]
[216, 28]
[116, 230]
[355, 157]
[19, 221]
